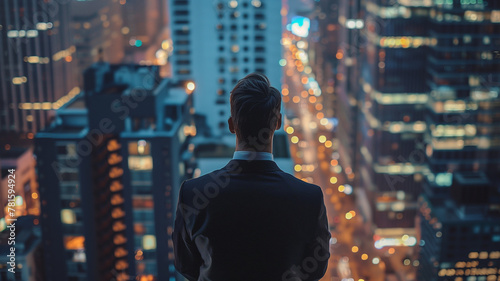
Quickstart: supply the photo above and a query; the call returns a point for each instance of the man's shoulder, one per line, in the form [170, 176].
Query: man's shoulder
[300, 184]
[214, 176]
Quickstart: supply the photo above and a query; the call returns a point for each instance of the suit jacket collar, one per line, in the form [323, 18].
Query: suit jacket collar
[254, 166]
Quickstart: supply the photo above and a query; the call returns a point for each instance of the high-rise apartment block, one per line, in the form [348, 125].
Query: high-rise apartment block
[216, 43]
[109, 172]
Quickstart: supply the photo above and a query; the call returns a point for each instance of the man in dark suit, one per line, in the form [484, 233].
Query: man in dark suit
[250, 220]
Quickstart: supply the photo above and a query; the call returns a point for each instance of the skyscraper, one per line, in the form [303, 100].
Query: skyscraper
[218, 42]
[464, 105]
[392, 102]
[35, 63]
[109, 173]
[460, 233]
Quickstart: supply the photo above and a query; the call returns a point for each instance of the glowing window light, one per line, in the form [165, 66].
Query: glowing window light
[19, 80]
[68, 216]
[233, 4]
[149, 242]
[256, 3]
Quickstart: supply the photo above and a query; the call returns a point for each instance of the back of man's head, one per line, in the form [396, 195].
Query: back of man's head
[255, 109]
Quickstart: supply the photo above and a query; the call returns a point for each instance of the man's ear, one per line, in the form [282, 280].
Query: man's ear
[278, 126]
[230, 123]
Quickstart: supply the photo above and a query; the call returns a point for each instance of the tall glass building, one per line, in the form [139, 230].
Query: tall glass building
[392, 103]
[459, 210]
[36, 57]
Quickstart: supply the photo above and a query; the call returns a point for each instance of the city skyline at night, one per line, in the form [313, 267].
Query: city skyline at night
[392, 107]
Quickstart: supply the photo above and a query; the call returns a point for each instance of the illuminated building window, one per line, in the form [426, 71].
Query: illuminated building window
[141, 147]
[117, 213]
[68, 216]
[116, 199]
[119, 239]
[142, 203]
[139, 228]
[74, 242]
[118, 226]
[149, 242]
[115, 172]
[113, 145]
[120, 252]
[140, 163]
[116, 186]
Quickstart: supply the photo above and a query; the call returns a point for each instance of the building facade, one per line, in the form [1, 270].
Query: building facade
[216, 43]
[109, 176]
[35, 63]
[392, 98]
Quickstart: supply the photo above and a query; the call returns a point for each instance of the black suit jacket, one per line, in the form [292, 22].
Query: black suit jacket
[250, 221]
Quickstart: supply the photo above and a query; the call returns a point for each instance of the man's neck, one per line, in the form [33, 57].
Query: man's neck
[262, 148]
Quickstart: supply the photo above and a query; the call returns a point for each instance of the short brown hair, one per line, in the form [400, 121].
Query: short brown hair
[255, 107]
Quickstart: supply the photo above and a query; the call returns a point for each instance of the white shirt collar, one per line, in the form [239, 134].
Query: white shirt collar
[252, 155]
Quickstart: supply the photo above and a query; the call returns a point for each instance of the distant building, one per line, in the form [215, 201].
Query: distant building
[109, 172]
[460, 236]
[36, 57]
[345, 57]
[98, 33]
[17, 154]
[216, 43]
[325, 43]
[463, 110]
[28, 252]
[391, 97]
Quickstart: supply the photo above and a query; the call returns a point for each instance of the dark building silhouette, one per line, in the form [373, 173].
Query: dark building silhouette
[392, 97]
[109, 172]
